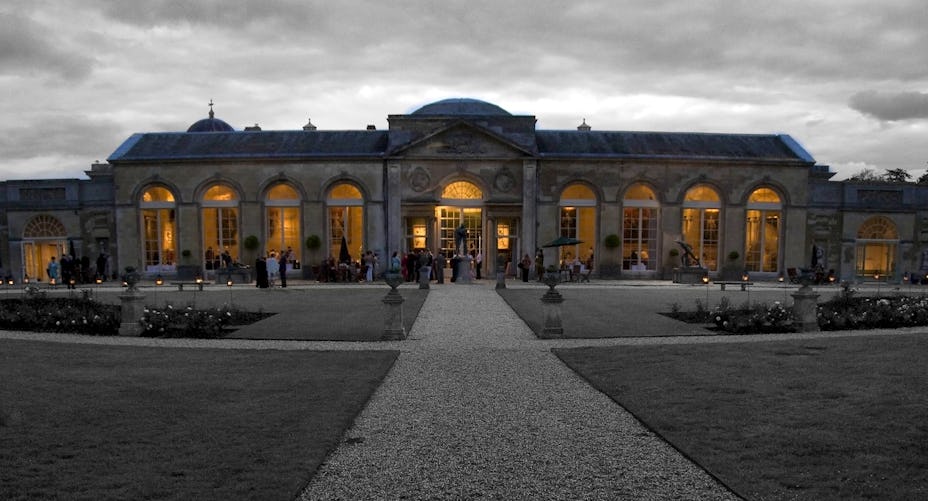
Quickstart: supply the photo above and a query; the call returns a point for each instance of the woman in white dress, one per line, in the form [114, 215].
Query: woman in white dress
[273, 269]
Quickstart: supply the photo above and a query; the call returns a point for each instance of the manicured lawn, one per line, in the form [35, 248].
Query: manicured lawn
[597, 313]
[816, 419]
[109, 422]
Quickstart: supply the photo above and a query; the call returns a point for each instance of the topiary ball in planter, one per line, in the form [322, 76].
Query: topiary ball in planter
[313, 242]
[251, 243]
[612, 241]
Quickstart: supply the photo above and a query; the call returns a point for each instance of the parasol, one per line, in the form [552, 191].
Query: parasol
[343, 255]
[562, 241]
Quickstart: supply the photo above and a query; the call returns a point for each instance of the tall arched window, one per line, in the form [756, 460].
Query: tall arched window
[282, 206]
[577, 220]
[762, 231]
[702, 209]
[220, 220]
[876, 247]
[159, 230]
[346, 221]
[639, 228]
[461, 203]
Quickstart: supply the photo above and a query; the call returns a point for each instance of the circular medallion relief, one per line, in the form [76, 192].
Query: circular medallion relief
[419, 179]
[504, 181]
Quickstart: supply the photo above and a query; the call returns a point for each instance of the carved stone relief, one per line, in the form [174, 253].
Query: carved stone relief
[419, 179]
[504, 181]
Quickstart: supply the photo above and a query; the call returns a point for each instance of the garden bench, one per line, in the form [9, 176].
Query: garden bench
[744, 285]
[242, 275]
[180, 285]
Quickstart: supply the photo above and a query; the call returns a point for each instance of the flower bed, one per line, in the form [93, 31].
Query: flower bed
[43, 314]
[188, 322]
[845, 312]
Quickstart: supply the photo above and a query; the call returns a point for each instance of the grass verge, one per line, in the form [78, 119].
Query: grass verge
[801, 419]
[110, 422]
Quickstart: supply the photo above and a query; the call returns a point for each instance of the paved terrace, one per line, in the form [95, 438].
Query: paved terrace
[477, 406]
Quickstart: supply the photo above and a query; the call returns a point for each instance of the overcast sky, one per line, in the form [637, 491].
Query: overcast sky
[847, 79]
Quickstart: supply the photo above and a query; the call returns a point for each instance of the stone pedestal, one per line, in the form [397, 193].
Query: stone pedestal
[689, 275]
[393, 329]
[464, 270]
[425, 274]
[501, 279]
[805, 309]
[553, 327]
[133, 306]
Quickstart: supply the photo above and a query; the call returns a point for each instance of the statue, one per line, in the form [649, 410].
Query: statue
[688, 257]
[460, 239]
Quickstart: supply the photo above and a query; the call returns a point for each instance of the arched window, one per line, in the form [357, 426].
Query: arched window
[702, 209]
[762, 231]
[461, 203]
[346, 221]
[577, 220]
[877, 240]
[462, 190]
[639, 228]
[159, 229]
[44, 237]
[220, 206]
[282, 207]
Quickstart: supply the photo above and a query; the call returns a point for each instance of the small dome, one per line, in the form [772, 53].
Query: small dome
[461, 106]
[210, 124]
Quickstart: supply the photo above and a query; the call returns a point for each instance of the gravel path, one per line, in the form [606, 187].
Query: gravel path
[476, 407]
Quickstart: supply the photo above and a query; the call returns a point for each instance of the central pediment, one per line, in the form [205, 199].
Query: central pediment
[462, 140]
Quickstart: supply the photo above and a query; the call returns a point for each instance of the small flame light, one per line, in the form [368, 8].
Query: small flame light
[199, 280]
[229, 282]
[780, 278]
[745, 277]
[705, 279]
[159, 281]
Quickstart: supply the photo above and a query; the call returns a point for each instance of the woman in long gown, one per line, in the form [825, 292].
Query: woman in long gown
[261, 273]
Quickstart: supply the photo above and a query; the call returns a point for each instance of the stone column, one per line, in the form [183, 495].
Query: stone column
[393, 193]
[805, 309]
[393, 329]
[529, 236]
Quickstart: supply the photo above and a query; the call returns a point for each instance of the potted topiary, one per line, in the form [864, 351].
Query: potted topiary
[612, 241]
[251, 244]
[313, 243]
[732, 268]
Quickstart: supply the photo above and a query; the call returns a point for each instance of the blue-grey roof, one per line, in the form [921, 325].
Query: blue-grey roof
[461, 106]
[611, 144]
[170, 146]
[257, 145]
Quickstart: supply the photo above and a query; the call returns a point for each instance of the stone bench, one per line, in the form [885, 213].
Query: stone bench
[744, 285]
[239, 276]
[180, 285]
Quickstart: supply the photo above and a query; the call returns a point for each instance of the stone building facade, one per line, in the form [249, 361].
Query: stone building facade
[164, 201]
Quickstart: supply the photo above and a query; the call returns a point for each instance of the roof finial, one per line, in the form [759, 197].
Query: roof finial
[211, 108]
[584, 126]
[309, 125]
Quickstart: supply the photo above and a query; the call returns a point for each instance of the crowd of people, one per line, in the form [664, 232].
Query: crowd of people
[72, 271]
[272, 268]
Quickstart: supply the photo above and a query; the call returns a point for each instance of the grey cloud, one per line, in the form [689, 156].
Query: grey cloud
[45, 133]
[891, 106]
[30, 49]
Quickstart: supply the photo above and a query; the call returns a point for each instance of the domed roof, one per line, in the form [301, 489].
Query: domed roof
[210, 124]
[461, 106]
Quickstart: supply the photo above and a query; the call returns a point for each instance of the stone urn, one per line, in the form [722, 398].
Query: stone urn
[551, 279]
[393, 279]
[132, 278]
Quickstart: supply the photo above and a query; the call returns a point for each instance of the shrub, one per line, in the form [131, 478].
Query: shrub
[611, 241]
[191, 323]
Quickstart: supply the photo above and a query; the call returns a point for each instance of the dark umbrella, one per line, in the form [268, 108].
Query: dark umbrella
[343, 255]
[562, 241]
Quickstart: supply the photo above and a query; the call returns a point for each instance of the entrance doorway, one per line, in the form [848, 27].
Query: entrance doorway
[43, 237]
